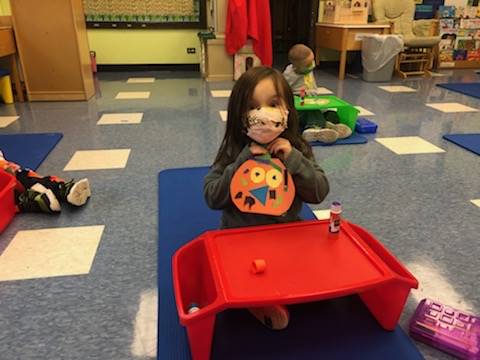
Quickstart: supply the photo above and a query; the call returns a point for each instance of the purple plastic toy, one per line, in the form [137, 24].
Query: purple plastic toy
[448, 329]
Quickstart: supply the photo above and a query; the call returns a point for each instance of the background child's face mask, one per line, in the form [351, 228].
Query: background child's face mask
[309, 69]
[266, 123]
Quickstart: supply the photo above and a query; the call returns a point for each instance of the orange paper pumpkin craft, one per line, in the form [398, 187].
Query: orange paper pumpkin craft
[262, 185]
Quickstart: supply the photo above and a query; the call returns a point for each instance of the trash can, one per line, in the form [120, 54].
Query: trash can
[378, 56]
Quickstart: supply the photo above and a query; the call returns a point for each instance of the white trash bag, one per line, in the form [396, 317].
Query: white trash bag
[378, 50]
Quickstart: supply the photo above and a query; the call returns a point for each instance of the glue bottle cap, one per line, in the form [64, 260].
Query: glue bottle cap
[336, 206]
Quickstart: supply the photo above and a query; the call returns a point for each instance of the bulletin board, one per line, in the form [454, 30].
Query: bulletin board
[145, 13]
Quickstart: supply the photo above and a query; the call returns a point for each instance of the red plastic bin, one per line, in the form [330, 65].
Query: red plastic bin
[304, 263]
[7, 203]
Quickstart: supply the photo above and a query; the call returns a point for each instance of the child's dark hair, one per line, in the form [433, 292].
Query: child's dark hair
[235, 138]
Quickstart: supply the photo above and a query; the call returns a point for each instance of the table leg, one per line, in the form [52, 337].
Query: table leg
[16, 78]
[200, 336]
[317, 56]
[386, 303]
[343, 61]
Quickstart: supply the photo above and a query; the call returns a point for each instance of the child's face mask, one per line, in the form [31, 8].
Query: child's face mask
[266, 123]
[308, 69]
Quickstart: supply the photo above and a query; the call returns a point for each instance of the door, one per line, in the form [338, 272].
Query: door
[293, 22]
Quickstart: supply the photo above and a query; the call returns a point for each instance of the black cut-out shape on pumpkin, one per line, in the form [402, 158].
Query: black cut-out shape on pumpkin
[250, 201]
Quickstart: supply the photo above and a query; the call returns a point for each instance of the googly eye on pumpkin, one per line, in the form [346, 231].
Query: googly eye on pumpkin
[274, 178]
[257, 175]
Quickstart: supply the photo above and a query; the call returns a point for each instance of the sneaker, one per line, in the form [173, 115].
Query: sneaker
[76, 193]
[327, 136]
[274, 317]
[34, 201]
[310, 134]
[54, 204]
[342, 130]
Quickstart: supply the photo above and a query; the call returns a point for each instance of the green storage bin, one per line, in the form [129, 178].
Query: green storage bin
[347, 113]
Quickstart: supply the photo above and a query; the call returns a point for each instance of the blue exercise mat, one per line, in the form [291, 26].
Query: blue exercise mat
[470, 142]
[28, 150]
[334, 329]
[355, 138]
[470, 89]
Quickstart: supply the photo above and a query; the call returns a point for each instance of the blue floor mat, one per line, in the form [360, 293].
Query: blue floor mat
[334, 329]
[470, 142]
[355, 138]
[28, 150]
[470, 89]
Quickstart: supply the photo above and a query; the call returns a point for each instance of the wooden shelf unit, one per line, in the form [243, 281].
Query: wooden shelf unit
[53, 45]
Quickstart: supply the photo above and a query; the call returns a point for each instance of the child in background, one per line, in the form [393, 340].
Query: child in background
[262, 119]
[315, 125]
[34, 193]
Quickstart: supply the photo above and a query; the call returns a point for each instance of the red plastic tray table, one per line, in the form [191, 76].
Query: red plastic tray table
[7, 201]
[304, 263]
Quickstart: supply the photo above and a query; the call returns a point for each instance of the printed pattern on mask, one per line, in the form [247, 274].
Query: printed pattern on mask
[267, 116]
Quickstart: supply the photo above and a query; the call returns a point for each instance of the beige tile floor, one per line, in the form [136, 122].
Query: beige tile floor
[407, 145]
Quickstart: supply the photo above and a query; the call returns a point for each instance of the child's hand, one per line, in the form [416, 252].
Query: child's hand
[312, 92]
[280, 147]
[256, 149]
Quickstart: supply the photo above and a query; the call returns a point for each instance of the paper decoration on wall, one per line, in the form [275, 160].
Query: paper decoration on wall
[262, 185]
[243, 62]
[147, 11]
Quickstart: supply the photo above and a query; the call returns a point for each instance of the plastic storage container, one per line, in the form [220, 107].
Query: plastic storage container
[450, 330]
[7, 204]
[365, 126]
[378, 56]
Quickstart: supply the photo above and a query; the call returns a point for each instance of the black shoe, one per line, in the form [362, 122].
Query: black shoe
[35, 201]
[332, 116]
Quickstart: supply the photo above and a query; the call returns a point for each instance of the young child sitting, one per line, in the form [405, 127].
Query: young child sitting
[34, 193]
[315, 125]
[262, 120]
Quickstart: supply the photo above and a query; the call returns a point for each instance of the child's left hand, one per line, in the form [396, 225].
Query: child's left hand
[280, 147]
[313, 92]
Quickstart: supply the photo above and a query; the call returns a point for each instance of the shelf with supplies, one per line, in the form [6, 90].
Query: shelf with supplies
[460, 32]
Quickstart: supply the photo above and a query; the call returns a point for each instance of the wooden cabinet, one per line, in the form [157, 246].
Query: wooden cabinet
[52, 42]
[7, 43]
[7, 49]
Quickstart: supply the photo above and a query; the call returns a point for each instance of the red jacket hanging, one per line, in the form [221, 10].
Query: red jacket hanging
[249, 19]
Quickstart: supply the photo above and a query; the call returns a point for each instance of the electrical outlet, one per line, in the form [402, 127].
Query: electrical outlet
[191, 50]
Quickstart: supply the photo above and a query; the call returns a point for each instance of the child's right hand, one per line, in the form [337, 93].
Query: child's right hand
[256, 149]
